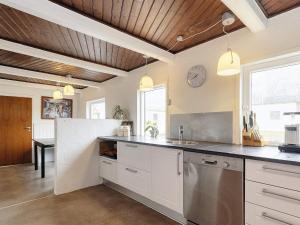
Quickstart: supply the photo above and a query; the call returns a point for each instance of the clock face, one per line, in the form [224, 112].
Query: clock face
[196, 76]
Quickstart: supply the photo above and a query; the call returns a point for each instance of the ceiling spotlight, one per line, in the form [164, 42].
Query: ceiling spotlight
[179, 38]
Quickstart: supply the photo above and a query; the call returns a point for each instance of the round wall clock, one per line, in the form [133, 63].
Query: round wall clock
[196, 76]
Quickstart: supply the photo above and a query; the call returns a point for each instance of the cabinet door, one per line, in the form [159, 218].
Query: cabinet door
[134, 179]
[257, 215]
[167, 177]
[108, 169]
[134, 155]
[280, 175]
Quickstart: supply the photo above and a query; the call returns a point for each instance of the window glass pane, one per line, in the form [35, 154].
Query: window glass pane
[155, 108]
[98, 110]
[275, 92]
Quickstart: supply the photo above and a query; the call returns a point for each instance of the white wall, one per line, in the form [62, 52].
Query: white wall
[41, 128]
[218, 93]
[77, 152]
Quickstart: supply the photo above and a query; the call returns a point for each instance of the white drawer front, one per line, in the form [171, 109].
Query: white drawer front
[283, 200]
[257, 215]
[108, 169]
[134, 179]
[135, 155]
[281, 175]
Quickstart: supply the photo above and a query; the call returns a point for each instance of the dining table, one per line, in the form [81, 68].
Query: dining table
[43, 144]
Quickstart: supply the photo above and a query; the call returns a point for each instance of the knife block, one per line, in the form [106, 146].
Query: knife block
[249, 140]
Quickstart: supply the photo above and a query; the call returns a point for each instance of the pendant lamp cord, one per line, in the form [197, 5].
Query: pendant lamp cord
[194, 35]
[228, 48]
[146, 65]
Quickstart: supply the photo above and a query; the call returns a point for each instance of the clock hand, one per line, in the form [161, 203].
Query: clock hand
[194, 77]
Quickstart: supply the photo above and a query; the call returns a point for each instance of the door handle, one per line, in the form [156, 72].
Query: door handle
[27, 128]
[265, 215]
[108, 163]
[131, 170]
[178, 163]
[280, 170]
[265, 191]
[131, 146]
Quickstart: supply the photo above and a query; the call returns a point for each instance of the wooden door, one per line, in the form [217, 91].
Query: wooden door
[15, 130]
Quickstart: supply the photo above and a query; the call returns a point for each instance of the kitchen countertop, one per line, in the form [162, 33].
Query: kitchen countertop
[267, 153]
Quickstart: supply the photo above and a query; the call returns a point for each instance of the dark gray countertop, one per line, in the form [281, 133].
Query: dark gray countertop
[259, 153]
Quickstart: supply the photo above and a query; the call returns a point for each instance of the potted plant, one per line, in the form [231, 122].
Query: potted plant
[151, 126]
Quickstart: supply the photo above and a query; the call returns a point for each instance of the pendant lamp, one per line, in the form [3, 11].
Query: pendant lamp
[68, 89]
[146, 82]
[229, 63]
[57, 94]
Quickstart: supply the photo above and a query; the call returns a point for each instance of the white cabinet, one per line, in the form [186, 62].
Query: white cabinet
[272, 193]
[108, 169]
[151, 171]
[167, 177]
[134, 179]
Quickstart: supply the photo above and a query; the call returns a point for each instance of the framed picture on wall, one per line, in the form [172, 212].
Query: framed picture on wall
[51, 109]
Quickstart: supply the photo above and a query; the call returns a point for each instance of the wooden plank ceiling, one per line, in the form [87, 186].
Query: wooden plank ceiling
[40, 65]
[275, 7]
[30, 30]
[158, 22]
[36, 81]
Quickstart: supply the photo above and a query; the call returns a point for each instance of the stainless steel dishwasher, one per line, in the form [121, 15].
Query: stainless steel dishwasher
[213, 189]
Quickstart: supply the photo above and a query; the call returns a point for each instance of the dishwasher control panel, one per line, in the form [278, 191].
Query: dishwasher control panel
[219, 161]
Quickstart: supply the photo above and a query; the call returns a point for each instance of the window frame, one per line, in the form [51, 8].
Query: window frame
[89, 107]
[268, 64]
[141, 109]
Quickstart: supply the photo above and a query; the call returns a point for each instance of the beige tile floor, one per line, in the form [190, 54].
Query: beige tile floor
[22, 183]
[95, 205]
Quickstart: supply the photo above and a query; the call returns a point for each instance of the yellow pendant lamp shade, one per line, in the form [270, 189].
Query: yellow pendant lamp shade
[229, 64]
[69, 90]
[146, 83]
[57, 95]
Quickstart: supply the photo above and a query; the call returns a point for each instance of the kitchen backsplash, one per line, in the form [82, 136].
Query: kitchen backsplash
[215, 126]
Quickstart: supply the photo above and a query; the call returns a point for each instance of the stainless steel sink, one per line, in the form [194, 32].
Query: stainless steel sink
[178, 142]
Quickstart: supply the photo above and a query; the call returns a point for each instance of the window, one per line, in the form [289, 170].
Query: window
[271, 92]
[152, 108]
[96, 109]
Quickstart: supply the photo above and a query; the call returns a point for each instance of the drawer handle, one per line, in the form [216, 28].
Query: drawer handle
[108, 163]
[178, 163]
[131, 146]
[210, 162]
[265, 191]
[131, 170]
[280, 170]
[265, 215]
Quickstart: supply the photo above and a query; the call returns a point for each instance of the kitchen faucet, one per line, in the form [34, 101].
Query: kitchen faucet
[180, 131]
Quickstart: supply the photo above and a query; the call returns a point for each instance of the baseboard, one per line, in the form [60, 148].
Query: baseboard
[65, 189]
[147, 202]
